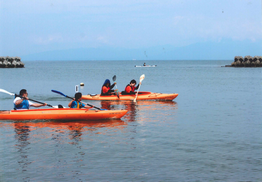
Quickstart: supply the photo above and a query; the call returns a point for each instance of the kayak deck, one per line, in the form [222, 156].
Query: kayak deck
[141, 96]
[145, 66]
[61, 114]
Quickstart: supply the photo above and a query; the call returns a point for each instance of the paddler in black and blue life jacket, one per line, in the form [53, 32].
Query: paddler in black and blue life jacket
[76, 102]
[21, 101]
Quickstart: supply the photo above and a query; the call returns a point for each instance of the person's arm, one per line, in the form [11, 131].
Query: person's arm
[112, 85]
[19, 101]
[88, 107]
[70, 103]
[138, 86]
[35, 104]
[38, 105]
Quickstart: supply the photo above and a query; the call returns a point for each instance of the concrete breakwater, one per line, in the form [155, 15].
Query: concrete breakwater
[11, 62]
[247, 61]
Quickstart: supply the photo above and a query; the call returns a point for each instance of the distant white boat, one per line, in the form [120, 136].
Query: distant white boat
[146, 66]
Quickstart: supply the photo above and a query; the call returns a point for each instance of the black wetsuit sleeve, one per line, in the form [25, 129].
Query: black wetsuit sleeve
[137, 87]
[112, 86]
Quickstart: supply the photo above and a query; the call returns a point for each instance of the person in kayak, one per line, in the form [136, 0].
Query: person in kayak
[107, 88]
[130, 88]
[21, 101]
[76, 103]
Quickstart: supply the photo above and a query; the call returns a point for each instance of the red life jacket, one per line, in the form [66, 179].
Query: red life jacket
[129, 88]
[105, 90]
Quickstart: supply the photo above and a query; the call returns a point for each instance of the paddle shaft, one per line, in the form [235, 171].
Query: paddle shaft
[117, 93]
[137, 92]
[141, 79]
[36, 101]
[55, 91]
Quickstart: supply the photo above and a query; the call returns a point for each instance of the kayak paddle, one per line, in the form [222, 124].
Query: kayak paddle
[141, 79]
[4, 91]
[114, 79]
[55, 91]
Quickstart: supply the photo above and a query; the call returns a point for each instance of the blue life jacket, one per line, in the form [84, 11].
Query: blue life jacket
[76, 104]
[23, 105]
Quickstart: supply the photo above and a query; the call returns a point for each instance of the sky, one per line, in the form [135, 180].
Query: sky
[37, 26]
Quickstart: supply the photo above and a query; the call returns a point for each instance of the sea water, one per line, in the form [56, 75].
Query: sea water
[211, 132]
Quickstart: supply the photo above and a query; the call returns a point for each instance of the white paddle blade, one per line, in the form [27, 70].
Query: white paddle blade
[142, 77]
[4, 91]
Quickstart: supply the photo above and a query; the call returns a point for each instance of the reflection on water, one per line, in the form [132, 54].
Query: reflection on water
[23, 128]
[56, 136]
[128, 105]
[144, 107]
[70, 146]
[22, 132]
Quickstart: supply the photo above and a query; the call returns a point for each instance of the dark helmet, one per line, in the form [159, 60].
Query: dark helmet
[133, 81]
[107, 81]
[22, 92]
[78, 95]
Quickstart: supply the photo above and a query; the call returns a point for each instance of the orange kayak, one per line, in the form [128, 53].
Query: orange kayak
[141, 96]
[61, 114]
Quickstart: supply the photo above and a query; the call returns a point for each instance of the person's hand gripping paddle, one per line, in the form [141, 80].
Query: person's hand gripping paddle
[117, 93]
[141, 79]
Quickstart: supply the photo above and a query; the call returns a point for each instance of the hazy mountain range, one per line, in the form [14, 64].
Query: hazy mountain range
[225, 50]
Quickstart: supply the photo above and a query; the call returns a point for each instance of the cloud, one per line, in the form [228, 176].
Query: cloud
[124, 23]
[102, 39]
[48, 39]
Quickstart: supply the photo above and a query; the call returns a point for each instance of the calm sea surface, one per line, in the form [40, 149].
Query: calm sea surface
[211, 132]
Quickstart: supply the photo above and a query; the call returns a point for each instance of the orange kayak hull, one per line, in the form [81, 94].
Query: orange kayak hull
[141, 96]
[61, 114]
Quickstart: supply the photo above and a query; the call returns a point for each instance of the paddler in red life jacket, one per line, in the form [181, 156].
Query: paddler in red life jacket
[76, 103]
[130, 88]
[21, 101]
[107, 88]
